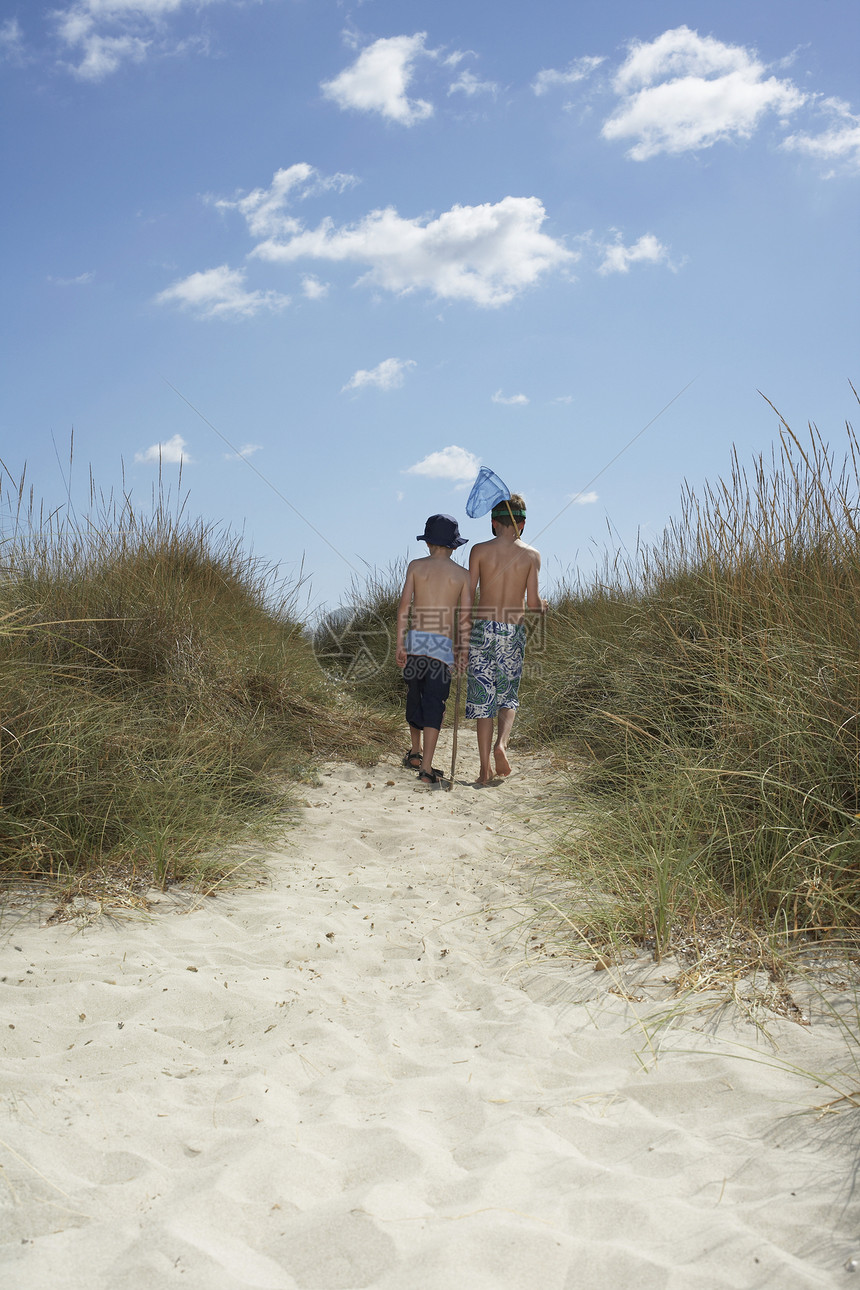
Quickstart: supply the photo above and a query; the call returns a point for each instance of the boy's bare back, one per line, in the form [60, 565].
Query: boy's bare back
[505, 572]
[438, 587]
[434, 589]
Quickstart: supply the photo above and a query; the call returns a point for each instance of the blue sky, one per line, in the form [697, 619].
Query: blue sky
[375, 245]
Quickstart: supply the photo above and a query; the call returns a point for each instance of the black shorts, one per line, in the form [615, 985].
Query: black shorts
[428, 684]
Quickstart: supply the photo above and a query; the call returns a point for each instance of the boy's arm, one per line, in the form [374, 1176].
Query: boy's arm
[533, 597]
[474, 572]
[403, 618]
[464, 625]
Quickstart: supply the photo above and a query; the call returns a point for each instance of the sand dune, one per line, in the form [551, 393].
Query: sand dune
[355, 1076]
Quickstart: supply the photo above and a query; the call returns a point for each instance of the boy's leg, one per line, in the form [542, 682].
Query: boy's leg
[414, 713]
[413, 757]
[512, 648]
[506, 721]
[431, 738]
[435, 689]
[485, 743]
[481, 692]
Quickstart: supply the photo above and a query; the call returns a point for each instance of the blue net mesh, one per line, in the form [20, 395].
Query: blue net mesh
[487, 491]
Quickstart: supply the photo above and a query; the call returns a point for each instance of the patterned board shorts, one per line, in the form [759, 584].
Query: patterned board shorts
[496, 653]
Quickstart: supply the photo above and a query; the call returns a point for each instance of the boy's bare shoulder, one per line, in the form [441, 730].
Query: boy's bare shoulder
[530, 552]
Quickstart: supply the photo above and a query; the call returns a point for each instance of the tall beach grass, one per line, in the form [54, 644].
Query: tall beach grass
[355, 642]
[157, 691]
[711, 690]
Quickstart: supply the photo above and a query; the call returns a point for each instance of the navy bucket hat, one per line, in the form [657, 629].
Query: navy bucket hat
[442, 530]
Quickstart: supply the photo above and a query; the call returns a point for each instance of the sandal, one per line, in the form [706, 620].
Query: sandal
[412, 760]
[433, 776]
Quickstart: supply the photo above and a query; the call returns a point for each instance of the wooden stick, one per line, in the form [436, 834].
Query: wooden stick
[456, 724]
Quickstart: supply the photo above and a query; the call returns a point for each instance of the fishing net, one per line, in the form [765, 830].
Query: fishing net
[487, 491]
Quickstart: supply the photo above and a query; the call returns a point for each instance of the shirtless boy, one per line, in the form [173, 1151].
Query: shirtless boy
[504, 573]
[435, 588]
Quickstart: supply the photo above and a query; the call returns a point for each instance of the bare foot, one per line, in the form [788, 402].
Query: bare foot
[484, 780]
[503, 766]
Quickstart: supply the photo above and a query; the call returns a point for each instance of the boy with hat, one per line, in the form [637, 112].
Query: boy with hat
[435, 589]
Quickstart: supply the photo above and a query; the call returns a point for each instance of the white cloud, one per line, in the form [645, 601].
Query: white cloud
[11, 42]
[81, 280]
[457, 464]
[104, 34]
[387, 375]
[684, 91]
[618, 257]
[510, 400]
[578, 70]
[247, 450]
[486, 254]
[313, 288]
[264, 209]
[220, 293]
[564, 398]
[104, 54]
[468, 84]
[453, 59]
[378, 80]
[117, 9]
[584, 499]
[679, 52]
[170, 453]
[841, 143]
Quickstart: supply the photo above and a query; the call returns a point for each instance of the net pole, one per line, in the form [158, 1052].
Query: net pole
[456, 726]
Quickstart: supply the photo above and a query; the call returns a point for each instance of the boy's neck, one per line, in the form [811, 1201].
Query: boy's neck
[440, 553]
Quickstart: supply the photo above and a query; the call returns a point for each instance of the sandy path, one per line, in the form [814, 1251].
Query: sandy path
[352, 1078]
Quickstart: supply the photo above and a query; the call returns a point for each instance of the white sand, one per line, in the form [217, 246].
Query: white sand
[352, 1078]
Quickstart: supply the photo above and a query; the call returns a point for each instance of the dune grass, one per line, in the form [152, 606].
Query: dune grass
[157, 692]
[355, 643]
[711, 692]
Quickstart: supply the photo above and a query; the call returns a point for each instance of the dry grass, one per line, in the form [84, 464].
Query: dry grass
[156, 688]
[713, 688]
